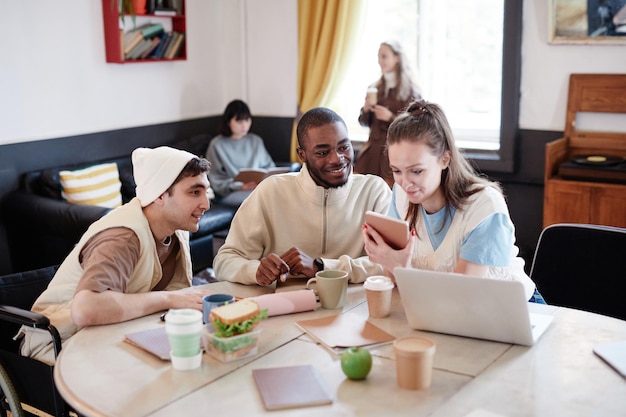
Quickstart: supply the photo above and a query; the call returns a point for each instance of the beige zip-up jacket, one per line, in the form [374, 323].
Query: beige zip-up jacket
[289, 210]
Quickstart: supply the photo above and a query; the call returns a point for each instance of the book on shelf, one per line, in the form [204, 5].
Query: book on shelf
[131, 39]
[175, 45]
[136, 52]
[160, 49]
[152, 30]
[170, 44]
[257, 175]
[134, 37]
[153, 44]
[178, 46]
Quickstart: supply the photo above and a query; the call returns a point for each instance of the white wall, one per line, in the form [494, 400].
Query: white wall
[54, 80]
[546, 68]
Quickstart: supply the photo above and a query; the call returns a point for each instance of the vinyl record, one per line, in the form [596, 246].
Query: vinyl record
[598, 160]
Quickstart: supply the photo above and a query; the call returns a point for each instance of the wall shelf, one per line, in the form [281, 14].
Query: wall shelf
[114, 30]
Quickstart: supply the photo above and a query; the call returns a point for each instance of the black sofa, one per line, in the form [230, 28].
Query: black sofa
[42, 228]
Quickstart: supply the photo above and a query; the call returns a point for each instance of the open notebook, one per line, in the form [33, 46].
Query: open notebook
[341, 331]
[462, 305]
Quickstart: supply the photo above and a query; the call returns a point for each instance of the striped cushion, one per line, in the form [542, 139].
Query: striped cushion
[97, 185]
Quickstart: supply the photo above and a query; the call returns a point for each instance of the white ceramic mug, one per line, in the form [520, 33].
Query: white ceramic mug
[332, 287]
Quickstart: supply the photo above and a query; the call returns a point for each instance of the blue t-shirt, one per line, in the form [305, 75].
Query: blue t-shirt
[488, 244]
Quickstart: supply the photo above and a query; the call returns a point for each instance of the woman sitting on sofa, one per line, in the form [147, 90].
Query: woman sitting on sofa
[233, 149]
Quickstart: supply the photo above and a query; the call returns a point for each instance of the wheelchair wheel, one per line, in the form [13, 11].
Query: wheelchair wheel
[8, 396]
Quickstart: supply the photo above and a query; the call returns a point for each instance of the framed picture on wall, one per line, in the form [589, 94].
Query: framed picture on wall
[587, 21]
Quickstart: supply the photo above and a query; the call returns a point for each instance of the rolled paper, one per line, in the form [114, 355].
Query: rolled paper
[287, 302]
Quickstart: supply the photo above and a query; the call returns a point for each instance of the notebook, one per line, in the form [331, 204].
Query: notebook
[152, 340]
[341, 331]
[462, 305]
[290, 387]
[613, 353]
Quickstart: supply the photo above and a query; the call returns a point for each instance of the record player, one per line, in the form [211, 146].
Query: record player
[595, 167]
[585, 170]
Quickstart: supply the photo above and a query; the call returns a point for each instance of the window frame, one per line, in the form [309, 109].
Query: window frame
[503, 160]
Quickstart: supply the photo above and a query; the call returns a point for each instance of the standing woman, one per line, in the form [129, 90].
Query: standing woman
[395, 90]
[233, 149]
[459, 220]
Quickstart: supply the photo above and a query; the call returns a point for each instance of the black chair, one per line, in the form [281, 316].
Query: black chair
[26, 384]
[582, 266]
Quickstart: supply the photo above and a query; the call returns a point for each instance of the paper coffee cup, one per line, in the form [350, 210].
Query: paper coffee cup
[372, 96]
[184, 332]
[378, 292]
[414, 361]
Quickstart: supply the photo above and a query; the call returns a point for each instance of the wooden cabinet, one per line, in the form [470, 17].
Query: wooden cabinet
[114, 31]
[587, 201]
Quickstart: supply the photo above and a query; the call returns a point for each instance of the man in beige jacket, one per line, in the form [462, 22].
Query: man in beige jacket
[293, 225]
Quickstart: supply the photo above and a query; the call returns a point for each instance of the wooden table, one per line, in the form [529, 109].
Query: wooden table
[100, 375]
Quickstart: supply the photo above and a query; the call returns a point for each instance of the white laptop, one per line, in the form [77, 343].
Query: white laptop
[463, 305]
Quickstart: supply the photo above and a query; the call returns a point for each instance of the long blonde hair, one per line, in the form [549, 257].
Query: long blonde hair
[407, 88]
[424, 122]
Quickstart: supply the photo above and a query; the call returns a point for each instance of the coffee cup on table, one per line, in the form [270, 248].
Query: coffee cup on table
[332, 287]
[214, 300]
[414, 362]
[378, 292]
[371, 96]
[184, 332]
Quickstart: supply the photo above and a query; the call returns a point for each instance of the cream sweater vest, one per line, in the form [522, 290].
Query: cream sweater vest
[56, 300]
[445, 258]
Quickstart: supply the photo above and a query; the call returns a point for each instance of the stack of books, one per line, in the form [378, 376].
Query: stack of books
[150, 41]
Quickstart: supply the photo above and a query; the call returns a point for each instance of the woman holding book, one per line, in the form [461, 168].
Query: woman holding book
[233, 149]
[459, 220]
[389, 95]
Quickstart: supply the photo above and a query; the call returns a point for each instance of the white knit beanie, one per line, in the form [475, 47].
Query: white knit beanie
[156, 169]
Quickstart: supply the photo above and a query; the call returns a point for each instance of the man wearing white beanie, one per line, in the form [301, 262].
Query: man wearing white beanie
[135, 260]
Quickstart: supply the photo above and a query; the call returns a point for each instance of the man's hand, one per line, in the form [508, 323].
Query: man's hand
[187, 298]
[90, 308]
[299, 262]
[271, 268]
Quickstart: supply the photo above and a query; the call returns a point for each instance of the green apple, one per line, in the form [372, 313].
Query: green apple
[356, 362]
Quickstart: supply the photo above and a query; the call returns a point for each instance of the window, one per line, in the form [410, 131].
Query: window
[465, 56]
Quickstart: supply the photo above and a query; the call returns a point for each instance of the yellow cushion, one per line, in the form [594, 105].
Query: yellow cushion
[97, 185]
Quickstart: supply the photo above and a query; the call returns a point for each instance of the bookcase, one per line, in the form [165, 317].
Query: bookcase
[575, 193]
[173, 21]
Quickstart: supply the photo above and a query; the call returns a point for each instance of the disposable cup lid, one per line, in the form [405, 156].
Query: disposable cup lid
[378, 283]
[413, 345]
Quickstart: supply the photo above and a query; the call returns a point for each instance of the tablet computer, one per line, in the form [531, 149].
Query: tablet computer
[394, 231]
